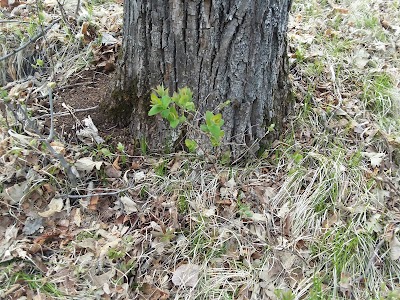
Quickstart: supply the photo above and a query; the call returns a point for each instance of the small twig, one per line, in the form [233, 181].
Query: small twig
[71, 111]
[13, 21]
[78, 6]
[51, 134]
[64, 15]
[74, 85]
[63, 114]
[95, 194]
[12, 289]
[30, 41]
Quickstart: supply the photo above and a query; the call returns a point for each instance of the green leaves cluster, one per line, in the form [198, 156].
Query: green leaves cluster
[213, 127]
[163, 104]
[175, 109]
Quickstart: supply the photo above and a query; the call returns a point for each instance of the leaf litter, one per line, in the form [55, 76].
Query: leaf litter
[318, 215]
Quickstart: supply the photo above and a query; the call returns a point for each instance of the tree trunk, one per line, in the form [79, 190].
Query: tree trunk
[221, 49]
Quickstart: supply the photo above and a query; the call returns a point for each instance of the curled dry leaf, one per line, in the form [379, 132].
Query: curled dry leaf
[58, 147]
[56, 205]
[89, 132]
[116, 164]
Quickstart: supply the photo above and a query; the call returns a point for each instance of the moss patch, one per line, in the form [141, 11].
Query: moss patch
[119, 107]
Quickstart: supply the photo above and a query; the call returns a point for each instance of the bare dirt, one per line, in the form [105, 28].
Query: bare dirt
[84, 94]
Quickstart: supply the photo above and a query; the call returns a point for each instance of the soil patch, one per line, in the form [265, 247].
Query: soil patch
[83, 95]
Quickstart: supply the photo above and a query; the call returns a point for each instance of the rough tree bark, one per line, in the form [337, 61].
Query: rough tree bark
[221, 49]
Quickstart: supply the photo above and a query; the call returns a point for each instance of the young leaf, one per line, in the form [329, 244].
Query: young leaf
[161, 91]
[191, 145]
[165, 113]
[120, 147]
[175, 98]
[165, 100]
[189, 106]
[173, 117]
[209, 116]
[155, 110]
[106, 152]
[174, 123]
[217, 119]
[204, 128]
[154, 99]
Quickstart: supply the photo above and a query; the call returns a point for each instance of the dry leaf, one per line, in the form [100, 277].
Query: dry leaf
[100, 280]
[94, 200]
[284, 210]
[58, 147]
[56, 205]
[15, 193]
[32, 225]
[345, 284]
[154, 293]
[186, 275]
[258, 217]
[341, 10]
[375, 158]
[331, 220]
[111, 172]
[89, 133]
[78, 217]
[394, 248]
[116, 164]
[107, 39]
[129, 205]
[139, 176]
[175, 166]
[230, 184]
[87, 164]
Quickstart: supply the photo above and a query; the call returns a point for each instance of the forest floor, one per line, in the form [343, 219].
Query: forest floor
[316, 217]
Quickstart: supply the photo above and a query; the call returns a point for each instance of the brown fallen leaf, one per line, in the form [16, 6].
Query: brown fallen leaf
[152, 292]
[341, 10]
[94, 200]
[112, 172]
[116, 163]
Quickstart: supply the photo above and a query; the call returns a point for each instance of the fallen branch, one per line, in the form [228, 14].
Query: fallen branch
[95, 194]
